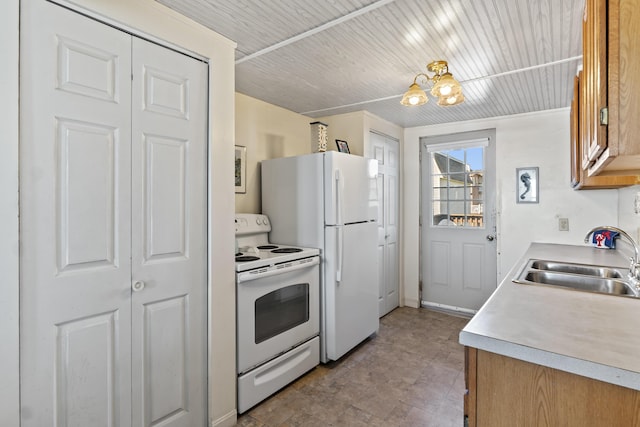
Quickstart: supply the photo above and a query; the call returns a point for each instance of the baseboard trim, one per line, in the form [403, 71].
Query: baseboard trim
[449, 309]
[410, 302]
[227, 420]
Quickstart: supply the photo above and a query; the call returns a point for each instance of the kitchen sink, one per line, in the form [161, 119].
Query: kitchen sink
[581, 277]
[581, 282]
[583, 269]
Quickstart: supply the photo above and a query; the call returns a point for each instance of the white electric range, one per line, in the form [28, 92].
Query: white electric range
[278, 311]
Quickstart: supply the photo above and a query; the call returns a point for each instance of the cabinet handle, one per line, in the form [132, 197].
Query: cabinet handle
[604, 116]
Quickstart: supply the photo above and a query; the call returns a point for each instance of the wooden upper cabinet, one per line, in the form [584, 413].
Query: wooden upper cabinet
[595, 76]
[623, 148]
[580, 180]
[605, 111]
[576, 159]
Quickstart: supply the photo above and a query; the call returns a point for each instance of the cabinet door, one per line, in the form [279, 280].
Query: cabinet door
[600, 78]
[609, 80]
[580, 179]
[622, 154]
[470, 395]
[595, 80]
[576, 164]
[585, 87]
[511, 392]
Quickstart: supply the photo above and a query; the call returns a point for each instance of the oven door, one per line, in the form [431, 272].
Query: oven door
[277, 310]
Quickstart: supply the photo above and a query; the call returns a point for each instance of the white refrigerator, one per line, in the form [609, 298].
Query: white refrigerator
[329, 201]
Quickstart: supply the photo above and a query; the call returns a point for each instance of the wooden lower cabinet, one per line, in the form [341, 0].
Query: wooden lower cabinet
[502, 391]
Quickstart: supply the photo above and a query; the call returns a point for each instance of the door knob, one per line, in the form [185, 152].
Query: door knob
[491, 237]
[137, 286]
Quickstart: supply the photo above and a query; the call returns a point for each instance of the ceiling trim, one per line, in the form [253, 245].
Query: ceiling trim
[521, 70]
[369, 101]
[315, 30]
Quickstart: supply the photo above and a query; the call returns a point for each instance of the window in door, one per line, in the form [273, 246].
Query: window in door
[457, 186]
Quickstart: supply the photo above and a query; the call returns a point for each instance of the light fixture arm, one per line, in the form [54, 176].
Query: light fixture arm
[438, 68]
[424, 76]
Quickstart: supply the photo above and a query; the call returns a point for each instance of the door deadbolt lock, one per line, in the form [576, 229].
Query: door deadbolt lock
[137, 286]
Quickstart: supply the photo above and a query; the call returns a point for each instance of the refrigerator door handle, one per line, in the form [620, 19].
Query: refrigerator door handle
[338, 177]
[339, 251]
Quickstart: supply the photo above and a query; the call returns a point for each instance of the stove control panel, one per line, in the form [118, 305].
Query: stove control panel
[252, 224]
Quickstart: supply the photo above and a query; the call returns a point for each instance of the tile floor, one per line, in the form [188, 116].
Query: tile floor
[410, 374]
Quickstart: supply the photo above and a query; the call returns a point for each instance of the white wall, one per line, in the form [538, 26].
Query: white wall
[9, 367]
[629, 219]
[268, 131]
[537, 139]
[148, 18]
[348, 127]
[355, 128]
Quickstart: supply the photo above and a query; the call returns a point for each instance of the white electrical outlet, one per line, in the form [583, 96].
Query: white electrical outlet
[563, 224]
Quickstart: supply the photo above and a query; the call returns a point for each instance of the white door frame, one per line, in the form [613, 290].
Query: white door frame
[158, 23]
[9, 259]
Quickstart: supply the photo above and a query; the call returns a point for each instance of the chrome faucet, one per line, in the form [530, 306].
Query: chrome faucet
[634, 269]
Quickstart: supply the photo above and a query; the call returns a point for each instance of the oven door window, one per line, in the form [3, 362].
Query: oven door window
[281, 310]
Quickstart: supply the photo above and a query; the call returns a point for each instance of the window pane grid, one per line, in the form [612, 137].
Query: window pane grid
[457, 194]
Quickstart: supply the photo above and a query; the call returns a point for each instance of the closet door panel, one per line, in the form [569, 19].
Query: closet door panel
[169, 237]
[75, 227]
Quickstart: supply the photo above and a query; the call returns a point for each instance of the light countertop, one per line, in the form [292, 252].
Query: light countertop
[588, 334]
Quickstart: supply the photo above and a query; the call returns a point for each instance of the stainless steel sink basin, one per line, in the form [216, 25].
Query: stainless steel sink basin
[587, 270]
[582, 277]
[580, 282]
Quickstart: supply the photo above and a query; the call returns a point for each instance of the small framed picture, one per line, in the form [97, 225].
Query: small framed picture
[527, 185]
[343, 147]
[241, 169]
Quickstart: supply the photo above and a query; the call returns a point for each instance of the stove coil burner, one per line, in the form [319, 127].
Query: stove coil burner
[286, 250]
[246, 258]
[266, 247]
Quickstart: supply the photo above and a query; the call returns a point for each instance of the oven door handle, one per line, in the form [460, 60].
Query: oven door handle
[247, 276]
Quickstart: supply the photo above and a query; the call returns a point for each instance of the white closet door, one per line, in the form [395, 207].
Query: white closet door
[75, 234]
[113, 227]
[385, 150]
[169, 237]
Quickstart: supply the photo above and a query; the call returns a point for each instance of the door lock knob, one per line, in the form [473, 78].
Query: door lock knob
[137, 286]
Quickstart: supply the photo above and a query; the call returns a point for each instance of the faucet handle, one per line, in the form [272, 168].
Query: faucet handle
[634, 269]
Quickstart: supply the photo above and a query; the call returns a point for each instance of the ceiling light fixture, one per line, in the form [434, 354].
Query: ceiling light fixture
[445, 87]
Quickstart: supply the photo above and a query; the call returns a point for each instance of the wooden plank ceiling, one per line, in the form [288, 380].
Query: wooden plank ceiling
[321, 58]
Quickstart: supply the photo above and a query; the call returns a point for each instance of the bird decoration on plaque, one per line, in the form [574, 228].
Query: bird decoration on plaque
[319, 137]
